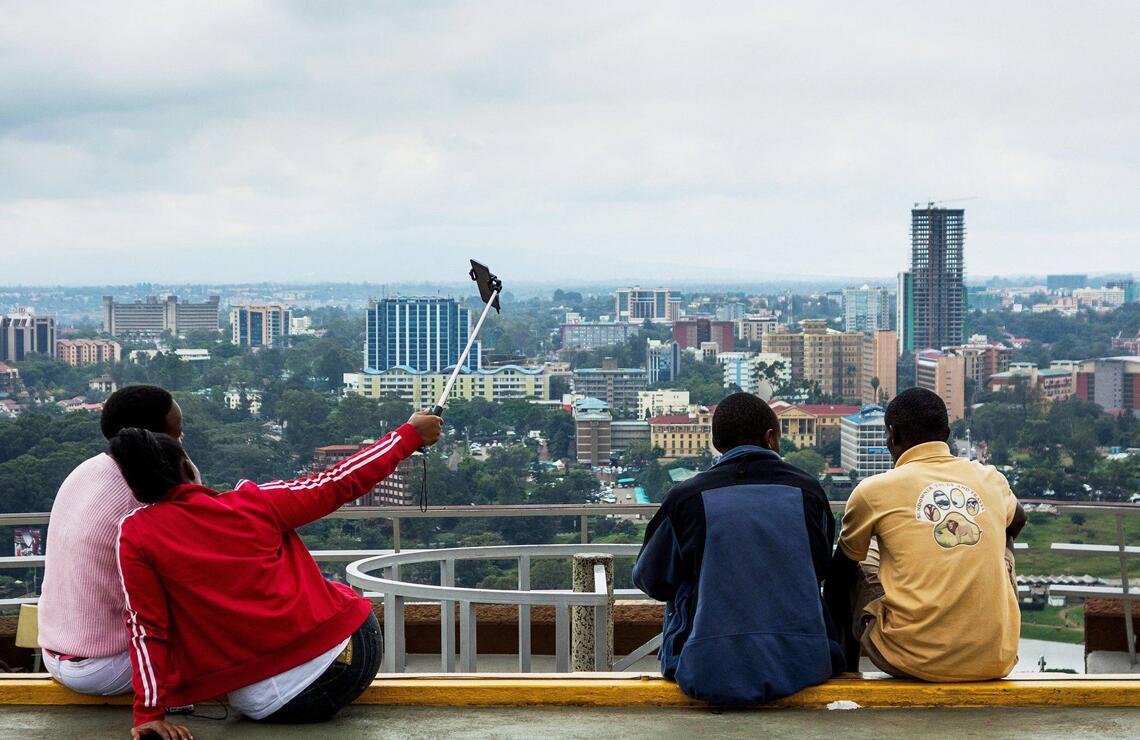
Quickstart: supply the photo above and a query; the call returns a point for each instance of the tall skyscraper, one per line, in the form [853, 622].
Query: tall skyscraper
[937, 266]
[866, 309]
[259, 326]
[424, 334]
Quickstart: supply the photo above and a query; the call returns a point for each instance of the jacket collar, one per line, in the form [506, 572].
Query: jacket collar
[749, 450]
[186, 490]
[923, 452]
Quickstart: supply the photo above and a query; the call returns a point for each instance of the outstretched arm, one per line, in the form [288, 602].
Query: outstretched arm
[298, 502]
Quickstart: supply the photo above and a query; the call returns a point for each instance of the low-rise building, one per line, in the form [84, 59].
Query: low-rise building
[661, 403]
[81, 352]
[1099, 297]
[592, 335]
[186, 355]
[422, 389]
[9, 378]
[745, 369]
[863, 442]
[103, 384]
[753, 327]
[618, 387]
[395, 490]
[1055, 383]
[623, 434]
[811, 425]
[1113, 383]
[247, 399]
[683, 435]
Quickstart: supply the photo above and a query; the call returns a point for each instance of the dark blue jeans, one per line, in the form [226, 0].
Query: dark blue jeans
[340, 684]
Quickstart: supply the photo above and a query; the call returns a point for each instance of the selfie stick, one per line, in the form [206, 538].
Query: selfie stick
[489, 289]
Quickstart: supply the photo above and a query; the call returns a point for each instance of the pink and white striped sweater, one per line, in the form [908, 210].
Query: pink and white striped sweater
[81, 607]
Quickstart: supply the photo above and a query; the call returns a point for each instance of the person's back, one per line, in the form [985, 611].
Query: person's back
[949, 610]
[246, 598]
[935, 592]
[83, 531]
[81, 603]
[738, 554]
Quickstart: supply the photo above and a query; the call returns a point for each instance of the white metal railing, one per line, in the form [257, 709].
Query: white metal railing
[1125, 594]
[396, 593]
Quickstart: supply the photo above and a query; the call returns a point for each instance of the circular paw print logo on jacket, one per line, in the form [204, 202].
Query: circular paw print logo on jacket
[952, 510]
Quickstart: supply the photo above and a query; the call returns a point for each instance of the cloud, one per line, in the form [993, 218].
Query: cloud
[206, 140]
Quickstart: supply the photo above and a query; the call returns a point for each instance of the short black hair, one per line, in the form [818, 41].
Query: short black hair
[142, 406]
[742, 419]
[918, 415]
[151, 463]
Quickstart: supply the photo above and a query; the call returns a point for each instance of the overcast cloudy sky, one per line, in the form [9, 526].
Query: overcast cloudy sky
[231, 141]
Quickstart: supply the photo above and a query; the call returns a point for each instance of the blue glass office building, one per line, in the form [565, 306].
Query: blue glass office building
[424, 334]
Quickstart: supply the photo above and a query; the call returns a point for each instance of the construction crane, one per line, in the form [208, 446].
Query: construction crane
[932, 203]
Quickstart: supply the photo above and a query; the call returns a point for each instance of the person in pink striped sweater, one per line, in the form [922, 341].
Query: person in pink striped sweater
[81, 607]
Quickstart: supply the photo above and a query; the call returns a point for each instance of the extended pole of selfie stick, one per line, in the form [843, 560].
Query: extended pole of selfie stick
[490, 287]
[437, 410]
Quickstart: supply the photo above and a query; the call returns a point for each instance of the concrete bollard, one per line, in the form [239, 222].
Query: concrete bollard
[583, 630]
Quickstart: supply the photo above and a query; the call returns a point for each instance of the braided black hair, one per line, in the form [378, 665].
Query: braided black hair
[151, 463]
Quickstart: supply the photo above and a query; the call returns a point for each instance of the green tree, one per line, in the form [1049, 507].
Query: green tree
[809, 461]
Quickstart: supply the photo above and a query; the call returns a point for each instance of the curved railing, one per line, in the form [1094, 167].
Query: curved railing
[396, 593]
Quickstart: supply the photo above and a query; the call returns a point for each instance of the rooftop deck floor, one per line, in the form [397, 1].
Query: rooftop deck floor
[585, 722]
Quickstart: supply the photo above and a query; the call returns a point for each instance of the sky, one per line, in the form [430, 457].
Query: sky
[237, 141]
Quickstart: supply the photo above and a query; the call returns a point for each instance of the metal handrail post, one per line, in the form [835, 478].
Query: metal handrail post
[562, 638]
[468, 662]
[524, 616]
[447, 618]
[1129, 625]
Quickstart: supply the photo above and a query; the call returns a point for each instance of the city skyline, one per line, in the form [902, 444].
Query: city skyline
[644, 142]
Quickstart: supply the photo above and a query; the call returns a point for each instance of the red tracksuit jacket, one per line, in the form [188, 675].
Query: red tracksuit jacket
[222, 593]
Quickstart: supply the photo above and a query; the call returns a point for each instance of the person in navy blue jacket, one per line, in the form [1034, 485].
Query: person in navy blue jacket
[738, 554]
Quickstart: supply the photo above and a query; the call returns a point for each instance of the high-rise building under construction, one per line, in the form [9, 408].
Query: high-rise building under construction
[937, 268]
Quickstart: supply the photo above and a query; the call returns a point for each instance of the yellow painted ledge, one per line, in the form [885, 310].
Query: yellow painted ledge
[611, 690]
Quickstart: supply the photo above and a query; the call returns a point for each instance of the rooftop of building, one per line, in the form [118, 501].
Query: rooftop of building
[483, 371]
[588, 371]
[814, 409]
[867, 415]
[690, 418]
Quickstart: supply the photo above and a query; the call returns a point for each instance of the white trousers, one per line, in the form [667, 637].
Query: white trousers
[99, 676]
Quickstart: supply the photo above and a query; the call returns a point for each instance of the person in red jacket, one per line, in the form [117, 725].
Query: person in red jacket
[223, 597]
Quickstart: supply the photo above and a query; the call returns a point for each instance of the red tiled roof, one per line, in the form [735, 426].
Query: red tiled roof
[673, 419]
[830, 410]
[816, 409]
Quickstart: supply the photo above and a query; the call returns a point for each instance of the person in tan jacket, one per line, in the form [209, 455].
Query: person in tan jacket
[923, 577]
